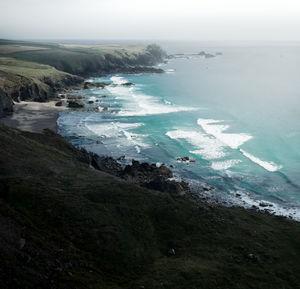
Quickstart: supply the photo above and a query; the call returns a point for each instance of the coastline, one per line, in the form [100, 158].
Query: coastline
[37, 116]
[34, 116]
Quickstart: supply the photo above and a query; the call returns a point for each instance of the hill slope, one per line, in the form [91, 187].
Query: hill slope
[66, 225]
[24, 80]
[86, 60]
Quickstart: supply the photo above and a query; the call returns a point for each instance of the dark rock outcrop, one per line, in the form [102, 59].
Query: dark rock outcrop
[75, 104]
[106, 164]
[143, 174]
[88, 85]
[6, 103]
[186, 160]
[41, 91]
[74, 97]
[128, 84]
[154, 177]
[59, 103]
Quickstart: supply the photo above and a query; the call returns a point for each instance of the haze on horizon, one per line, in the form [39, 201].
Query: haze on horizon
[260, 20]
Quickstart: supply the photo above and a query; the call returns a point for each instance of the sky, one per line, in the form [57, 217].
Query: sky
[209, 20]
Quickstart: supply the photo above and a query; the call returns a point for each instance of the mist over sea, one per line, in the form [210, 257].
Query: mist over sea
[237, 115]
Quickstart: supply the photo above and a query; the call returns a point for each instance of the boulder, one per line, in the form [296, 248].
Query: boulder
[75, 104]
[145, 173]
[186, 160]
[128, 84]
[74, 97]
[59, 103]
[107, 164]
[88, 85]
[263, 204]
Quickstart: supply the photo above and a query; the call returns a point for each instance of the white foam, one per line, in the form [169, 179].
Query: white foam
[139, 104]
[92, 98]
[118, 80]
[118, 130]
[246, 200]
[224, 165]
[142, 104]
[138, 150]
[269, 166]
[208, 147]
[212, 127]
[128, 125]
[169, 70]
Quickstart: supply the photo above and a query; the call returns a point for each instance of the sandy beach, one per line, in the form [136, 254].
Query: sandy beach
[34, 116]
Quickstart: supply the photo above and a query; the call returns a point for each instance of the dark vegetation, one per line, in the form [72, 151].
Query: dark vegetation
[64, 224]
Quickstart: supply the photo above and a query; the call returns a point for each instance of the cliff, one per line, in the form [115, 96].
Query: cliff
[66, 225]
[23, 80]
[87, 60]
[36, 71]
[6, 104]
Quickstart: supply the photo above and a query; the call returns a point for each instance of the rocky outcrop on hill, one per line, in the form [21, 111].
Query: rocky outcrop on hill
[146, 175]
[41, 90]
[6, 104]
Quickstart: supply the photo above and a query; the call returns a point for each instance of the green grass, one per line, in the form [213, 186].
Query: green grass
[117, 235]
[29, 80]
[84, 60]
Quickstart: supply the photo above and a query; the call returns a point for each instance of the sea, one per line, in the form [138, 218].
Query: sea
[236, 116]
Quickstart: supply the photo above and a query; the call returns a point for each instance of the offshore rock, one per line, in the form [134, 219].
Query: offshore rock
[75, 104]
[88, 85]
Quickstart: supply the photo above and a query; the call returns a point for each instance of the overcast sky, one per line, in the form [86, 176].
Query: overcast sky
[151, 19]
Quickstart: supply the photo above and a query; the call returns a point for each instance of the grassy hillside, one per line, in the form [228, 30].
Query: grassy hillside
[28, 80]
[85, 60]
[66, 225]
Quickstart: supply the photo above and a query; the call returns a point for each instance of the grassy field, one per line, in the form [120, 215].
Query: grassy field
[83, 228]
[83, 59]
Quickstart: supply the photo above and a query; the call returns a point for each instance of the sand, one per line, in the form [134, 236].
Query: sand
[34, 116]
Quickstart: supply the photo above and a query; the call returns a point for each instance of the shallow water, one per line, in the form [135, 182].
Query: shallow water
[236, 114]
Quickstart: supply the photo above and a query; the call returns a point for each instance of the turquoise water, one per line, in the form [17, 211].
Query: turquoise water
[236, 114]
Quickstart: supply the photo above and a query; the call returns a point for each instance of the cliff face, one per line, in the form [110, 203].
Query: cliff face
[23, 80]
[38, 74]
[97, 60]
[6, 104]
[40, 90]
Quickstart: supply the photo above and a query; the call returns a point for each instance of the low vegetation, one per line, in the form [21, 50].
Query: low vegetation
[66, 225]
[85, 60]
